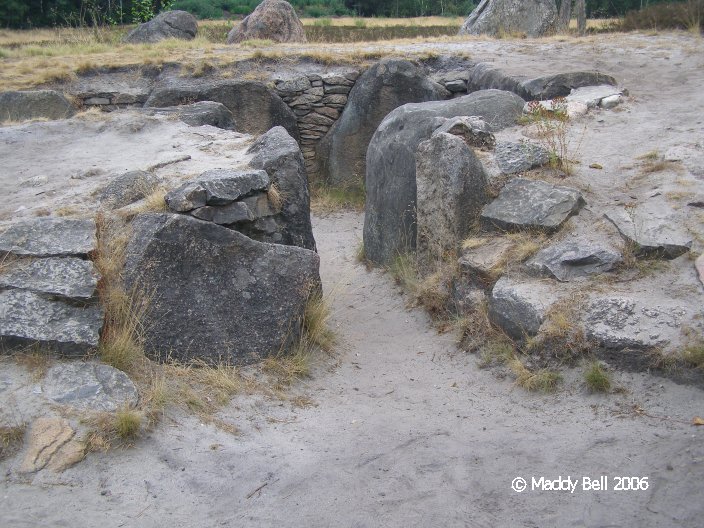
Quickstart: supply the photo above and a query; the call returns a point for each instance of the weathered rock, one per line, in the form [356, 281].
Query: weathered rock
[90, 386]
[625, 322]
[50, 237]
[473, 130]
[486, 76]
[451, 190]
[216, 294]
[198, 114]
[51, 445]
[699, 266]
[527, 204]
[612, 101]
[390, 224]
[225, 214]
[535, 18]
[456, 86]
[272, 20]
[128, 188]
[520, 157]
[486, 261]
[573, 259]
[652, 230]
[255, 107]
[35, 104]
[170, 24]
[593, 95]
[520, 307]
[387, 85]
[216, 187]
[562, 84]
[26, 318]
[68, 277]
[277, 153]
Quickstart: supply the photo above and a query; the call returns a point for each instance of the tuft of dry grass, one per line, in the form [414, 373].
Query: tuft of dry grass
[276, 197]
[113, 430]
[326, 199]
[693, 355]
[496, 350]
[11, 438]
[542, 380]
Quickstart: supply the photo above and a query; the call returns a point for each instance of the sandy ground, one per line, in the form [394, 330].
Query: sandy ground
[406, 430]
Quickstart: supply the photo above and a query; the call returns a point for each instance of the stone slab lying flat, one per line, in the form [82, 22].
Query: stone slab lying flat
[592, 96]
[50, 237]
[573, 259]
[27, 318]
[520, 157]
[90, 386]
[69, 277]
[653, 230]
[526, 204]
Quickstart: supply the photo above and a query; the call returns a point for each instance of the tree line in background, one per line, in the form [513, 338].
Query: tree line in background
[43, 13]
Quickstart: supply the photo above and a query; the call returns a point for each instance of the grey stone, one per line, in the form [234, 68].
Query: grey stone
[170, 24]
[519, 308]
[35, 104]
[293, 86]
[486, 76]
[96, 101]
[278, 154]
[520, 157]
[390, 223]
[272, 20]
[572, 259]
[216, 187]
[653, 230]
[387, 85]
[255, 107]
[485, 261]
[216, 294]
[612, 101]
[335, 99]
[69, 277]
[451, 190]
[306, 100]
[128, 188]
[526, 204]
[198, 114]
[699, 266]
[50, 237]
[535, 18]
[26, 318]
[562, 84]
[225, 214]
[339, 90]
[456, 86]
[337, 80]
[631, 322]
[90, 386]
[473, 130]
[593, 95]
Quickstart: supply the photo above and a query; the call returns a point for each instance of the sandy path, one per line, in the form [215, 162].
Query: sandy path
[405, 432]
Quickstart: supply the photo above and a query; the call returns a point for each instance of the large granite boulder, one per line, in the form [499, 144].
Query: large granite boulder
[272, 20]
[214, 293]
[277, 153]
[390, 219]
[451, 188]
[255, 107]
[385, 86]
[535, 18]
[170, 24]
[35, 104]
[198, 114]
[50, 237]
[530, 204]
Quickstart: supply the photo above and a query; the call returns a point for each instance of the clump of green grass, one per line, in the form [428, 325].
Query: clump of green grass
[127, 424]
[11, 438]
[543, 380]
[693, 355]
[110, 430]
[597, 378]
[496, 350]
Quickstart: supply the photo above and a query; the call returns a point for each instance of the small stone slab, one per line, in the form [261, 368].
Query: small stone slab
[520, 157]
[485, 260]
[90, 385]
[128, 188]
[624, 322]
[653, 231]
[525, 204]
[474, 131]
[571, 259]
[26, 317]
[225, 214]
[50, 237]
[592, 96]
[51, 445]
[216, 187]
[69, 277]
[520, 307]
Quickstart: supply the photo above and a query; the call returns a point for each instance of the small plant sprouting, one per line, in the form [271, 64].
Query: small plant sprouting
[597, 378]
[553, 125]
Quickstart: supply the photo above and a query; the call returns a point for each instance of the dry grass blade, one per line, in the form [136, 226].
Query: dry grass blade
[542, 380]
[11, 438]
